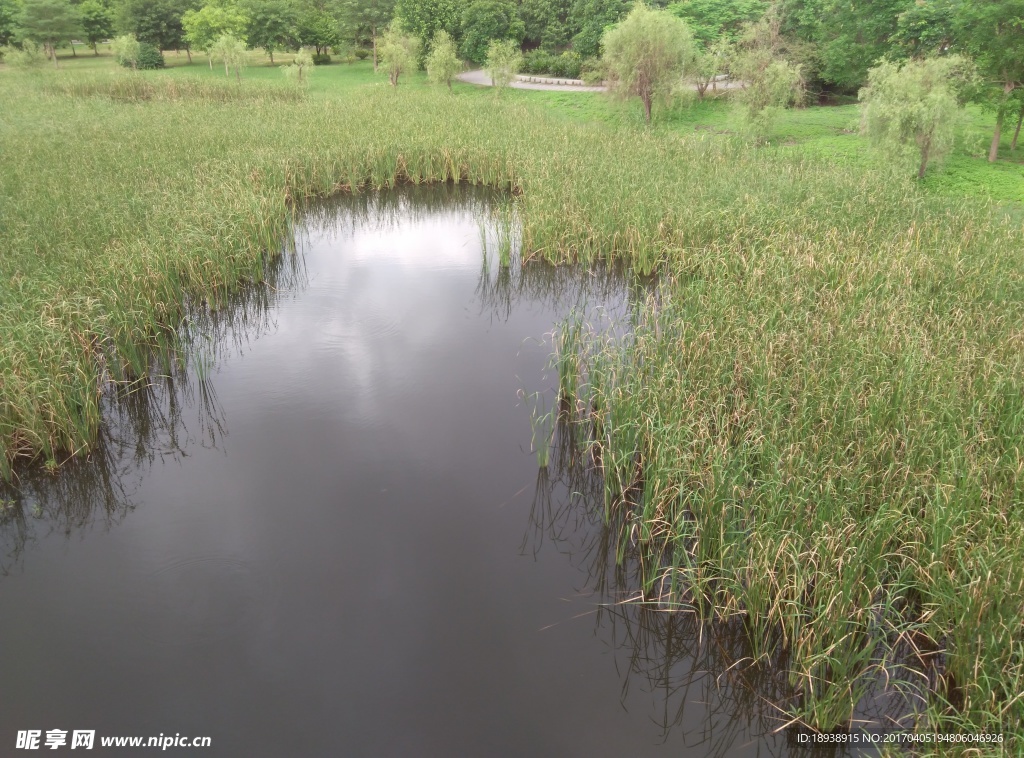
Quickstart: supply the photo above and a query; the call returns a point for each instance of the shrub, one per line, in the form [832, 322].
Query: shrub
[26, 56]
[568, 65]
[321, 59]
[503, 62]
[362, 53]
[592, 71]
[537, 62]
[149, 57]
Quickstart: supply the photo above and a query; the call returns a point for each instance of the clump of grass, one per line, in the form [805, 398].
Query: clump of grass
[814, 423]
[133, 87]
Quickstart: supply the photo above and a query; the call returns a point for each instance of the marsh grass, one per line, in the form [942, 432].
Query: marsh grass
[813, 425]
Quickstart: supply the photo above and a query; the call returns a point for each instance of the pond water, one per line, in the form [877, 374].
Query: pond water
[329, 535]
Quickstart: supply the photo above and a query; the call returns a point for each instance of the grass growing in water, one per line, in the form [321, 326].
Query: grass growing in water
[818, 419]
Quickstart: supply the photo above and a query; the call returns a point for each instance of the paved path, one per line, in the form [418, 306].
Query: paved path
[480, 77]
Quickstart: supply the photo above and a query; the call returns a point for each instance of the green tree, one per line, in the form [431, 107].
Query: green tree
[545, 23]
[9, 10]
[442, 61]
[97, 22]
[204, 27]
[504, 59]
[301, 68]
[367, 17]
[925, 28]
[588, 20]
[712, 20]
[127, 51]
[424, 18]
[398, 52]
[647, 54]
[231, 50]
[157, 22]
[49, 22]
[768, 81]
[272, 24]
[916, 106]
[486, 20]
[318, 28]
[992, 32]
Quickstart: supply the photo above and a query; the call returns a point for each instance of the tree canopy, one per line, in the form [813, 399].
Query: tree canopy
[647, 54]
[486, 20]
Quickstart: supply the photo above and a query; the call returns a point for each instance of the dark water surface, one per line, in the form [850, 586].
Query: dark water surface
[339, 544]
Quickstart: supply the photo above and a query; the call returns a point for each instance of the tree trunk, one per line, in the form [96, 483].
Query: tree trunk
[74, 54]
[226, 71]
[94, 50]
[373, 30]
[450, 85]
[271, 57]
[925, 149]
[647, 108]
[1016, 132]
[209, 57]
[53, 51]
[993, 151]
[188, 52]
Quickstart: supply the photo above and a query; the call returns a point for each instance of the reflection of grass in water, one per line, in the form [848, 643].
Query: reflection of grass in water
[674, 645]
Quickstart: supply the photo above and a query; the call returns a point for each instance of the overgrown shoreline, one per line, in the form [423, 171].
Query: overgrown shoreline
[826, 402]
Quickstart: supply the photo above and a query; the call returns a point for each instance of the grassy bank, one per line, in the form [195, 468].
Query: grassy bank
[818, 420]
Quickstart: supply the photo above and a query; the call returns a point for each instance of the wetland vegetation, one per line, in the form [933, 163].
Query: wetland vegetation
[809, 430]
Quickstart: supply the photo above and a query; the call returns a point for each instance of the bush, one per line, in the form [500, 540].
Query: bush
[150, 57]
[537, 62]
[321, 59]
[362, 53]
[592, 71]
[568, 65]
[140, 55]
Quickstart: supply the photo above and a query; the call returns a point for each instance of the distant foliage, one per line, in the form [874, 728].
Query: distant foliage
[590, 19]
[398, 52]
[49, 23]
[545, 23]
[157, 22]
[300, 69]
[568, 65]
[487, 20]
[8, 14]
[205, 26]
[127, 51]
[231, 51]
[270, 24]
[150, 57]
[504, 60]
[97, 22]
[647, 55]
[714, 20]
[768, 81]
[915, 107]
[442, 61]
[425, 18]
[27, 55]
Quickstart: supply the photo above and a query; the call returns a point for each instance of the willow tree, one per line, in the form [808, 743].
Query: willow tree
[442, 61]
[915, 107]
[647, 54]
[504, 59]
[398, 52]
